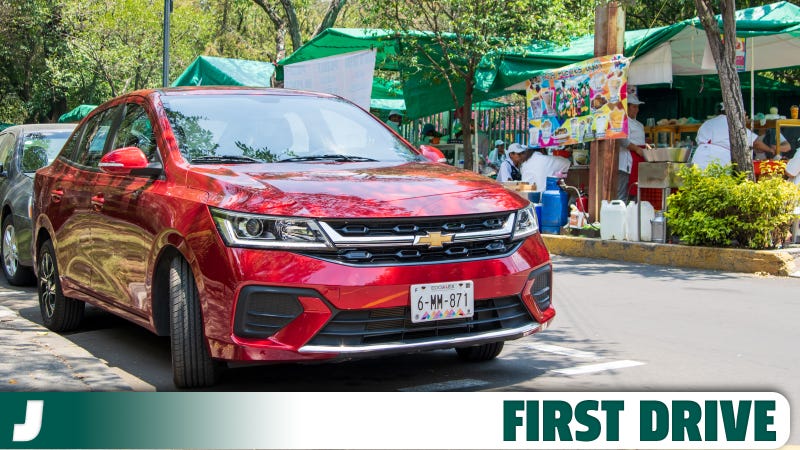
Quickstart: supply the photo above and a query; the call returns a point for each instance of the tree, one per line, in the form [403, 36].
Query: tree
[724, 52]
[285, 19]
[458, 34]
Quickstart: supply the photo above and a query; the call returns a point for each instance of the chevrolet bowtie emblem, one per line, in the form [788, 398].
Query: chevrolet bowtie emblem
[433, 240]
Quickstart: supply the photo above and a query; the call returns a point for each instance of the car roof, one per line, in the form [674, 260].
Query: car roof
[27, 128]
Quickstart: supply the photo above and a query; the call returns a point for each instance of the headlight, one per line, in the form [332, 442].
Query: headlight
[251, 230]
[525, 223]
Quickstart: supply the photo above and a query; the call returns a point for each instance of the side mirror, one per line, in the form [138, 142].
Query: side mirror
[123, 160]
[432, 153]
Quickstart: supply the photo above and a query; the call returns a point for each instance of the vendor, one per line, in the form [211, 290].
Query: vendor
[395, 119]
[713, 143]
[540, 166]
[775, 152]
[429, 134]
[509, 168]
[631, 152]
[497, 155]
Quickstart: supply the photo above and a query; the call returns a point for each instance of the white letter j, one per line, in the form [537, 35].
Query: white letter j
[24, 432]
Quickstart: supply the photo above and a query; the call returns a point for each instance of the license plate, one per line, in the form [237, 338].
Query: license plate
[442, 301]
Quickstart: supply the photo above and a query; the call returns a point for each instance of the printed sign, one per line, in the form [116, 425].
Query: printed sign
[579, 103]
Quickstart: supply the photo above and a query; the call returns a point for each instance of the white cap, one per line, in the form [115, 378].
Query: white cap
[516, 148]
[634, 100]
[395, 112]
[499, 142]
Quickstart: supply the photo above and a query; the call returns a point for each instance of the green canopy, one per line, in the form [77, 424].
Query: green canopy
[387, 95]
[4, 125]
[214, 71]
[76, 114]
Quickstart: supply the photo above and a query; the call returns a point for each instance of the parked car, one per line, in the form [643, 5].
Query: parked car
[255, 225]
[23, 150]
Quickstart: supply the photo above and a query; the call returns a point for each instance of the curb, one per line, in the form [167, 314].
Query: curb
[785, 262]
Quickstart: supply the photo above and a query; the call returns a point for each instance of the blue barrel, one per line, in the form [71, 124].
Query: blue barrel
[555, 207]
[538, 208]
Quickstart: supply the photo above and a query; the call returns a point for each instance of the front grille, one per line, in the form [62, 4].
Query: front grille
[415, 225]
[393, 325]
[419, 254]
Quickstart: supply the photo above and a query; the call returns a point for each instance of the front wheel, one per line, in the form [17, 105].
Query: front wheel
[483, 352]
[192, 365]
[59, 313]
[16, 274]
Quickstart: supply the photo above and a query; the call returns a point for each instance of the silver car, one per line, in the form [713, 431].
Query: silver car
[23, 150]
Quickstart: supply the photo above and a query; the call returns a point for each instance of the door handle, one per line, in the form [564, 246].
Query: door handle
[97, 202]
[56, 195]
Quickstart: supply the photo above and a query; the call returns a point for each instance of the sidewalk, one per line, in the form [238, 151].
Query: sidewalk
[783, 262]
[36, 359]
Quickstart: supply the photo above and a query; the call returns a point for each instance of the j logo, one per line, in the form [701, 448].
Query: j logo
[24, 432]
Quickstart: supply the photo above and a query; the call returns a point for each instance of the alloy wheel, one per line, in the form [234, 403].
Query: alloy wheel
[47, 283]
[10, 251]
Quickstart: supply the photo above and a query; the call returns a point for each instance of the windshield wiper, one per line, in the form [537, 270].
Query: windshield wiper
[224, 159]
[333, 157]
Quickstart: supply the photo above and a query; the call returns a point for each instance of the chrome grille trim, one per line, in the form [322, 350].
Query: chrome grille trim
[339, 240]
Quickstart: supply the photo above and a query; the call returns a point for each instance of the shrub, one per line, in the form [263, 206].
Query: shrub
[717, 207]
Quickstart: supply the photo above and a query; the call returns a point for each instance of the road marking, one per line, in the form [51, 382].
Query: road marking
[591, 368]
[446, 385]
[558, 350]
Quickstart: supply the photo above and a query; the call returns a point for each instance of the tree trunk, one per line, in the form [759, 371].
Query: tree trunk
[466, 129]
[294, 25]
[280, 28]
[724, 53]
[330, 16]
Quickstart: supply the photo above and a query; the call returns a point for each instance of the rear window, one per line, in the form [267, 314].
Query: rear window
[271, 128]
[40, 148]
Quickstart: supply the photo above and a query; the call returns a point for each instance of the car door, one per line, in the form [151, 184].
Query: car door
[125, 232]
[8, 141]
[72, 212]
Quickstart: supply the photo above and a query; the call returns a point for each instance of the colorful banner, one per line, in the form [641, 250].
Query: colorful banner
[741, 54]
[579, 103]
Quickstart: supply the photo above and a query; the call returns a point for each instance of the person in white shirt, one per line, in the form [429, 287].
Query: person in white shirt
[713, 142]
[509, 168]
[497, 155]
[630, 152]
[775, 152]
[540, 166]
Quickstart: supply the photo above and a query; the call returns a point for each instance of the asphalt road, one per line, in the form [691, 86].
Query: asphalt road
[619, 327]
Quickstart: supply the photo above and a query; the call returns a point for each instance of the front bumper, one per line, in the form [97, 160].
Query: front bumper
[295, 307]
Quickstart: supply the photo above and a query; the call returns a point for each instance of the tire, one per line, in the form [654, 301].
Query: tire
[16, 274]
[59, 313]
[483, 352]
[192, 365]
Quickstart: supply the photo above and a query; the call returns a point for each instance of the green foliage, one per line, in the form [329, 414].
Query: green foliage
[717, 207]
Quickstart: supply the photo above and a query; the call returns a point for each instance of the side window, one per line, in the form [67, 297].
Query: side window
[7, 142]
[70, 147]
[136, 130]
[94, 138]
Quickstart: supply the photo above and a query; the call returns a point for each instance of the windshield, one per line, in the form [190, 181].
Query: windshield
[40, 148]
[245, 128]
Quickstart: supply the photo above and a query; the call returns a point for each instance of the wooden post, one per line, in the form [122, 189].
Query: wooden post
[609, 37]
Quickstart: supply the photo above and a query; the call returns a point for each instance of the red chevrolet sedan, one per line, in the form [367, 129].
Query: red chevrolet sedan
[258, 225]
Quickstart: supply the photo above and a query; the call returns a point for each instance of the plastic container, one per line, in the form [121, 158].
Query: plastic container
[555, 207]
[632, 231]
[538, 208]
[612, 219]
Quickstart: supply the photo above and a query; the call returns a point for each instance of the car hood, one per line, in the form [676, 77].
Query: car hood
[340, 190]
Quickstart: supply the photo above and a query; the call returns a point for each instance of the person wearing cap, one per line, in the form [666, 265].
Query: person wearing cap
[539, 166]
[631, 152]
[395, 118]
[713, 142]
[429, 134]
[509, 168]
[497, 155]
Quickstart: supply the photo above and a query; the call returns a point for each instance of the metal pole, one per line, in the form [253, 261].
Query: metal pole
[165, 67]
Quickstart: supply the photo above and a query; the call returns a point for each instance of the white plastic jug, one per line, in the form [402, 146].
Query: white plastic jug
[632, 231]
[612, 219]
